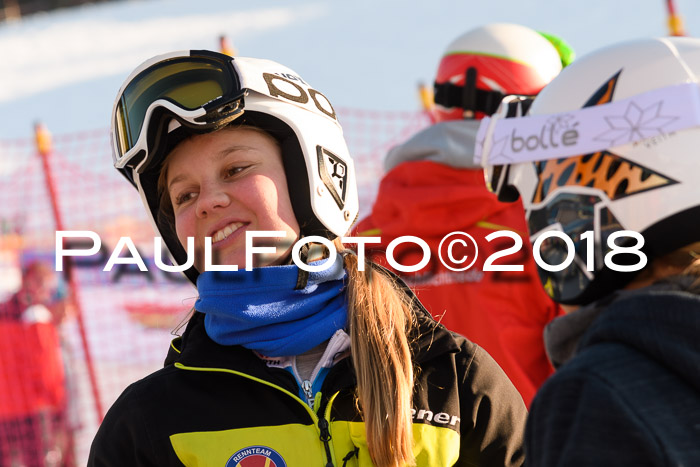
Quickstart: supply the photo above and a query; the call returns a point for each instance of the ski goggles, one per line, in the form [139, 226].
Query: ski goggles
[199, 89]
[576, 214]
[507, 145]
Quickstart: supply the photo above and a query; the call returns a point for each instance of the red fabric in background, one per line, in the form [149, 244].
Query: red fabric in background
[31, 366]
[503, 312]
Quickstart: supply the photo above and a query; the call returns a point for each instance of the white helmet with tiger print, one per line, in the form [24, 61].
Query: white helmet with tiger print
[645, 180]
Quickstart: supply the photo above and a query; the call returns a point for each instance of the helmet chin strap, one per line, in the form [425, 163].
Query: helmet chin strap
[302, 275]
[469, 93]
[304, 253]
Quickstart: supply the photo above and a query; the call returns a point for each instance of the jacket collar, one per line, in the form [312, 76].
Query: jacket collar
[566, 335]
[428, 339]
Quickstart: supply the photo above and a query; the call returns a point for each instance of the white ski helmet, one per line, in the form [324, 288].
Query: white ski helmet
[177, 94]
[488, 62]
[643, 175]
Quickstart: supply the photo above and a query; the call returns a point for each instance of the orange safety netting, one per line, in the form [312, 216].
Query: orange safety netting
[128, 316]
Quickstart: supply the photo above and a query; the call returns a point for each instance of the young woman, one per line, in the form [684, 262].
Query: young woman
[627, 386]
[340, 365]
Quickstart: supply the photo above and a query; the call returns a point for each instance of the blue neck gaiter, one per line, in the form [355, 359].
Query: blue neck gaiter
[261, 310]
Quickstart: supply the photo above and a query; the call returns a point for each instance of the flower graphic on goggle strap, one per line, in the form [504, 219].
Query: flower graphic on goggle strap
[635, 124]
[561, 122]
[499, 154]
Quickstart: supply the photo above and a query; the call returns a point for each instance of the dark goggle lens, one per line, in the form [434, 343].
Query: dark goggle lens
[575, 213]
[189, 82]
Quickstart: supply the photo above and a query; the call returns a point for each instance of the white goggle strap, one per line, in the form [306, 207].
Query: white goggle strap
[141, 143]
[588, 130]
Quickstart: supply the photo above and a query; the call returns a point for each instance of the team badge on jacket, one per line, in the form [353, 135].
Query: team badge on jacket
[256, 456]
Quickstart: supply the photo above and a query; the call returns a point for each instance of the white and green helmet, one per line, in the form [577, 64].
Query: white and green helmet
[197, 91]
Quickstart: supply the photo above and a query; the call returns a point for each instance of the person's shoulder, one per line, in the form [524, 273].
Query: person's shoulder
[606, 372]
[610, 362]
[616, 371]
[142, 400]
[127, 432]
[480, 372]
[153, 387]
[155, 378]
[470, 354]
[493, 413]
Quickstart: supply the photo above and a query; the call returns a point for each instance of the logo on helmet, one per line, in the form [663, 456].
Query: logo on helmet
[334, 174]
[559, 131]
[279, 86]
[608, 172]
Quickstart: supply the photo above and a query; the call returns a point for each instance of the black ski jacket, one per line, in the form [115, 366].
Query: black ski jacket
[215, 405]
[628, 389]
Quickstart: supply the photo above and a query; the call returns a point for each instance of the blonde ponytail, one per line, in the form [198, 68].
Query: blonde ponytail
[380, 316]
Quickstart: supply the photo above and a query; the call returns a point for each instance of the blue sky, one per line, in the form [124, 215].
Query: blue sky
[64, 68]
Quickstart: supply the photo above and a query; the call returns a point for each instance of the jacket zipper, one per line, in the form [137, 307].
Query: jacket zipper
[326, 437]
[325, 428]
[306, 386]
[320, 420]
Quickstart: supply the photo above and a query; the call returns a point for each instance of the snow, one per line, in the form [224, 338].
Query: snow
[65, 67]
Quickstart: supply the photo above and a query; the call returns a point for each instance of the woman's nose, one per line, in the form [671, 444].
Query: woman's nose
[211, 197]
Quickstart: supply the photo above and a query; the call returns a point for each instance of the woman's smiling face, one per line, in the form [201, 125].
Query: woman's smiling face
[225, 183]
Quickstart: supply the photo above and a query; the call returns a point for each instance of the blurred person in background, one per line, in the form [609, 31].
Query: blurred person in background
[627, 216]
[33, 402]
[433, 187]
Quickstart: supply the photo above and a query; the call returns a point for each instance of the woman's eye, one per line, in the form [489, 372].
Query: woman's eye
[183, 198]
[234, 171]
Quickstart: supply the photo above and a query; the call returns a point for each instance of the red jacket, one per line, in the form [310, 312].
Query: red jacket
[504, 312]
[31, 366]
